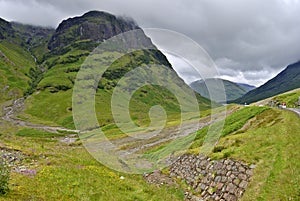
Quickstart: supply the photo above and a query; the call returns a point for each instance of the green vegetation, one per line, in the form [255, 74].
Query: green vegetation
[233, 124]
[28, 132]
[261, 136]
[4, 177]
[68, 172]
[15, 63]
[271, 142]
[264, 136]
[290, 98]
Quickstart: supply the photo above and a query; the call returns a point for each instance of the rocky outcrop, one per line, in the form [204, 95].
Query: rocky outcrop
[6, 29]
[15, 160]
[95, 26]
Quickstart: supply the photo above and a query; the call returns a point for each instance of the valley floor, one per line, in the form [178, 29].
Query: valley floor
[47, 168]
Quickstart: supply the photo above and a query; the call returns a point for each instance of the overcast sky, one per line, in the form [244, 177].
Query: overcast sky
[249, 40]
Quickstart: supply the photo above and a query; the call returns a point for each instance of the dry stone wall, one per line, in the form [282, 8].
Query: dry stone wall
[224, 179]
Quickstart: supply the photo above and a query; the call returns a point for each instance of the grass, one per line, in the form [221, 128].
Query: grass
[57, 108]
[29, 132]
[69, 173]
[13, 69]
[54, 92]
[272, 143]
[257, 135]
[265, 137]
[195, 142]
[291, 98]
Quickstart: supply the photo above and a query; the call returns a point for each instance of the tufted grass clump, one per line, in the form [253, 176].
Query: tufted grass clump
[4, 177]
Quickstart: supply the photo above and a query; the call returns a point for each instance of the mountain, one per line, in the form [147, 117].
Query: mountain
[94, 26]
[52, 58]
[15, 63]
[247, 87]
[34, 38]
[6, 29]
[232, 90]
[286, 80]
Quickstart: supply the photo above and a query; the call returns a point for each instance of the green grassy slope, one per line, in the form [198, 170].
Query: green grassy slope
[20, 45]
[291, 98]
[15, 63]
[64, 172]
[53, 92]
[268, 138]
[262, 136]
[270, 141]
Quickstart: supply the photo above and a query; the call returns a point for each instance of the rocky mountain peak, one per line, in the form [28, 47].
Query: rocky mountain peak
[94, 26]
[6, 29]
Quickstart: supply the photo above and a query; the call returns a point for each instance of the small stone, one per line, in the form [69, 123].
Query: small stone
[243, 184]
[249, 172]
[122, 178]
[218, 178]
[236, 181]
[224, 179]
[226, 196]
[242, 176]
[228, 173]
[252, 166]
[242, 169]
[231, 188]
[219, 186]
[203, 187]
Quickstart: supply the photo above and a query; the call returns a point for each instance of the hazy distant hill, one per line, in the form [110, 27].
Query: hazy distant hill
[287, 80]
[247, 87]
[232, 90]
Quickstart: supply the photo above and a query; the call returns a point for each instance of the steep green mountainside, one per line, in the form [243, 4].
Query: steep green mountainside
[34, 38]
[287, 80]
[15, 63]
[60, 55]
[90, 28]
[232, 90]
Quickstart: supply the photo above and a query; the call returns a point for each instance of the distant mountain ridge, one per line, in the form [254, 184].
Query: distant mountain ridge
[286, 80]
[232, 90]
[247, 87]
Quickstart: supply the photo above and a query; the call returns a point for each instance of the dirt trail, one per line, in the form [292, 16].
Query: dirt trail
[11, 111]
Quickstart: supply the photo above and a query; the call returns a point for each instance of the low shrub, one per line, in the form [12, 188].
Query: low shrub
[4, 177]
